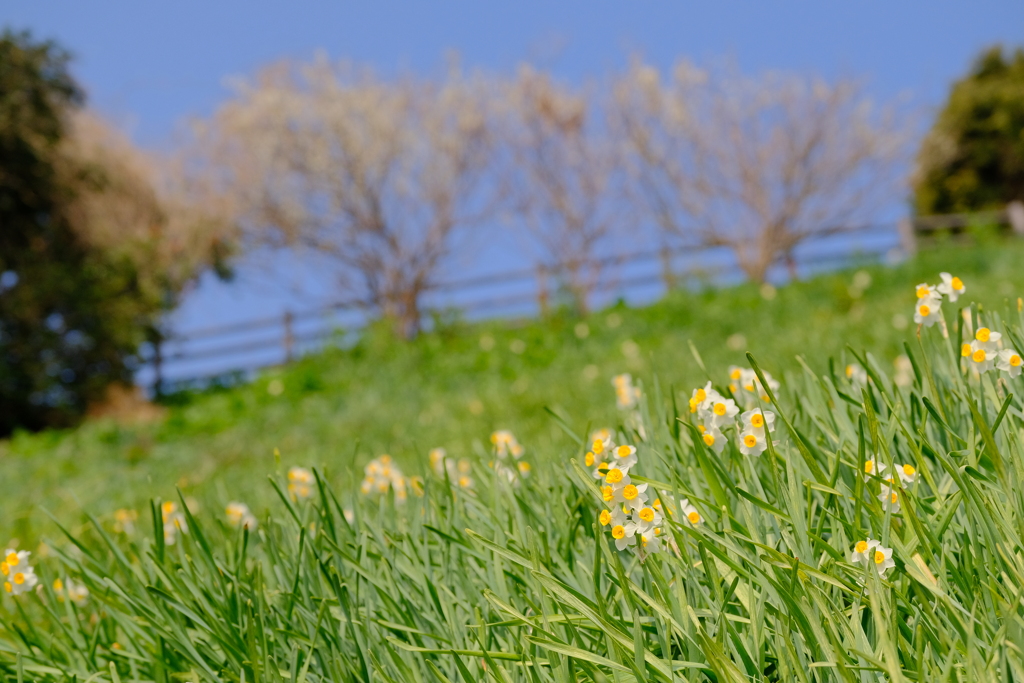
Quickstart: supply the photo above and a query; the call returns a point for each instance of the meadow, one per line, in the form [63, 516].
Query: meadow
[785, 551]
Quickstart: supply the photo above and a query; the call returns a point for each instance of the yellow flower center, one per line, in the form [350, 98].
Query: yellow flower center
[750, 441]
[965, 350]
[956, 283]
[1015, 361]
[749, 387]
[893, 497]
[12, 559]
[869, 466]
[58, 585]
[7, 586]
[735, 374]
[701, 395]
[5, 568]
[618, 531]
[709, 439]
[19, 578]
[589, 458]
[909, 470]
[861, 547]
[693, 405]
[757, 420]
[879, 557]
[924, 309]
[694, 517]
[524, 467]
[607, 493]
[720, 409]
[849, 371]
[922, 292]
[605, 517]
[624, 451]
[598, 446]
[630, 492]
[464, 481]
[979, 356]
[614, 476]
[647, 514]
[984, 334]
[168, 507]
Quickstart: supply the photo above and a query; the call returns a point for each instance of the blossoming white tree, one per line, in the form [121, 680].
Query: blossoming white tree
[757, 165]
[380, 177]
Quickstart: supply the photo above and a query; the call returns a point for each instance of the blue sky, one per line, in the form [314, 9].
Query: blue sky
[148, 65]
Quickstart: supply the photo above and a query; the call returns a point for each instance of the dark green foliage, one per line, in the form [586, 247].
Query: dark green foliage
[973, 158]
[69, 315]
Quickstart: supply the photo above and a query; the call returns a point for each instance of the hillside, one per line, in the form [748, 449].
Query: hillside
[454, 386]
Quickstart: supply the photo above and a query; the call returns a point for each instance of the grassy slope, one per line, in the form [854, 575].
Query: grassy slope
[340, 408]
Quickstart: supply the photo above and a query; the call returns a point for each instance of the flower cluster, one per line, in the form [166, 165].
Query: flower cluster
[626, 395]
[746, 386]
[872, 553]
[505, 445]
[456, 471]
[75, 592]
[300, 483]
[857, 375]
[634, 523]
[928, 309]
[717, 414]
[889, 494]
[19, 576]
[124, 521]
[174, 522]
[240, 516]
[984, 353]
[381, 474]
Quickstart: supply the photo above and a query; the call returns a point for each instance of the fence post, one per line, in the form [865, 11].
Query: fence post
[1015, 212]
[542, 288]
[289, 336]
[668, 274]
[158, 362]
[908, 239]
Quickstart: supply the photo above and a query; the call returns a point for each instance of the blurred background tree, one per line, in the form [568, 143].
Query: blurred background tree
[973, 158]
[92, 251]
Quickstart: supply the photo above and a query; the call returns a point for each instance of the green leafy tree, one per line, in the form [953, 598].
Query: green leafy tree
[72, 313]
[973, 158]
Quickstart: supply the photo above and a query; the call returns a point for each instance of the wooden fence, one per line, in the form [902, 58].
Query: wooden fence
[530, 291]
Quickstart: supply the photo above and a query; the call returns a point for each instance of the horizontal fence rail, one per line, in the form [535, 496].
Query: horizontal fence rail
[640, 275]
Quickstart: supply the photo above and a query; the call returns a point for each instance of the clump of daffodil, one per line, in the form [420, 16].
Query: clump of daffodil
[1009, 361]
[74, 591]
[633, 521]
[753, 426]
[716, 414]
[928, 309]
[19, 576]
[457, 471]
[240, 516]
[626, 395]
[871, 553]
[889, 496]
[983, 351]
[174, 522]
[300, 483]
[505, 445]
[124, 521]
[381, 474]
[746, 386]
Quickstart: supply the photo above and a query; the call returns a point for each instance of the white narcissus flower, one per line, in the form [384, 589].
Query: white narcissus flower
[723, 411]
[1009, 361]
[752, 441]
[890, 498]
[691, 513]
[872, 553]
[174, 522]
[650, 540]
[907, 473]
[758, 419]
[857, 375]
[623, 539]
[873, 468]
[926, 291]
[712, 437]
[862, 551]
[951, 286]
[928, 311]
[19, 576]
[702, 397]
[624, 457]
